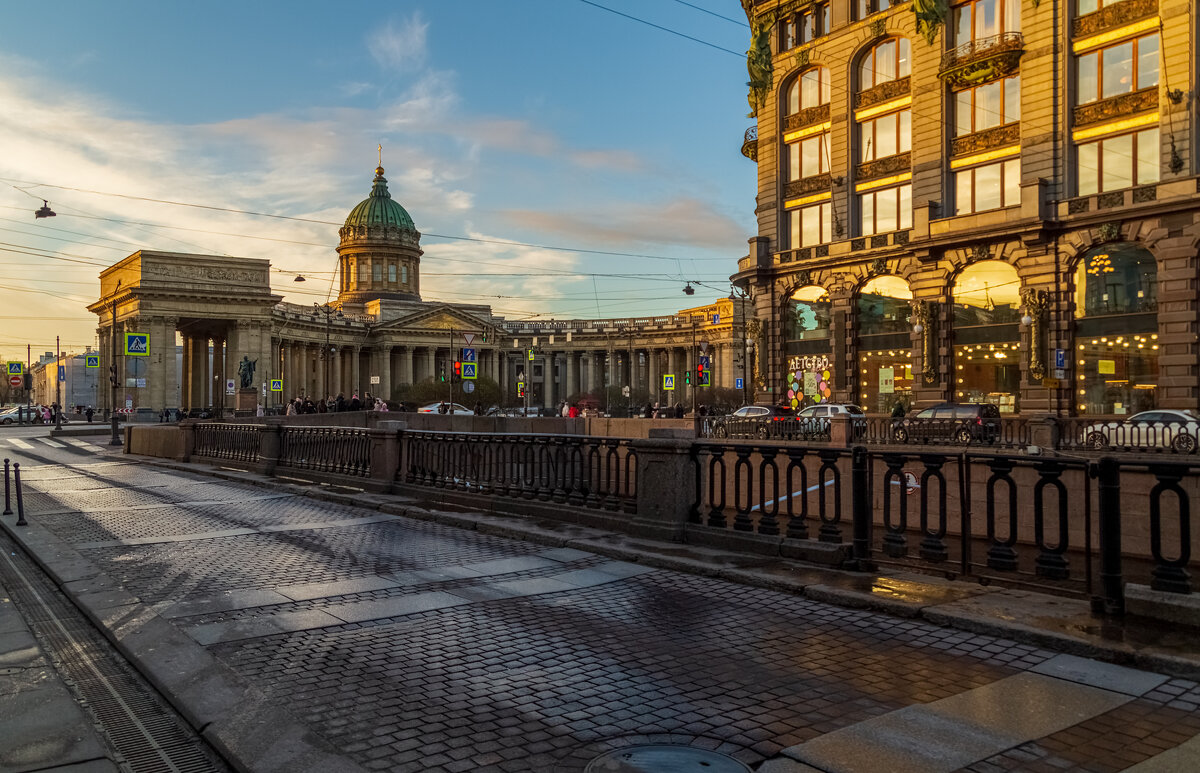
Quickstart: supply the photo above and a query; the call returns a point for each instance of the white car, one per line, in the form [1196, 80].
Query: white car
[1178, 430]
[9, 415]
[454, 408]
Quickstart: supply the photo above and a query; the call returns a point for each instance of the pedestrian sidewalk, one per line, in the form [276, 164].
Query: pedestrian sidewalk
[45, 728]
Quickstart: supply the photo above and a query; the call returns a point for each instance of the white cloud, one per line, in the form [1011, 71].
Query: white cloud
[399, 47]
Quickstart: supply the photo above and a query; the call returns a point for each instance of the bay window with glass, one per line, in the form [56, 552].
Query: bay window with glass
[989, 186]
[884, 210]
[981, 20]
[888, 60]
[1116, 330]
[885, 135]
[1131, 65]
[810, 225]
[1116, 162]
[985, 107]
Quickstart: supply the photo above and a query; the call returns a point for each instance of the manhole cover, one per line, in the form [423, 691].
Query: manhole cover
[664, 759]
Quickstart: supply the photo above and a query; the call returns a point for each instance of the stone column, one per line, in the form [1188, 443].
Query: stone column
[430, 363]
[406, 366]
[548, 381]
[171, 390]
[356, 380]
[653, 378]
[385, 372]
[335, 374]
[572, 373]
[217, 382]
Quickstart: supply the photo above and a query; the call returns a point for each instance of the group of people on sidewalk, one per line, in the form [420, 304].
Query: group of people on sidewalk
[339, 404]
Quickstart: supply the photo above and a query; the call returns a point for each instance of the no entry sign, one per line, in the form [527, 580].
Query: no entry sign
[14, 381]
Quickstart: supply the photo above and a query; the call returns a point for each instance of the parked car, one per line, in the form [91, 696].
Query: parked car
[1178, 430]
[750, 421]
[454, 408]
[10, 415]
[813, 421]
[962, 423]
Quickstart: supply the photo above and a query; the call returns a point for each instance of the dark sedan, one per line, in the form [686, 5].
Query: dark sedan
[961, 423]
[753, 421]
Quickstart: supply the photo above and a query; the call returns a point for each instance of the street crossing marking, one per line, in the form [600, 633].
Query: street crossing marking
[19, 443]
[81, 444]
[49, 442]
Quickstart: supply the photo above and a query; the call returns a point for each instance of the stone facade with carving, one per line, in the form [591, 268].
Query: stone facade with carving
[1041, 237]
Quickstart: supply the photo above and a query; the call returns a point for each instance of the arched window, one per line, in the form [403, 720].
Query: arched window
[1116, 330]
[887, 60]
[806, 143]
[809, 377]
[884, 343]
[884, 199]
[883, 306]
[987, 338]
[807, 314]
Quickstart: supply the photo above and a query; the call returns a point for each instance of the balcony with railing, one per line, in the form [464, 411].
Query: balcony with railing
[750, 144]
[981, 60]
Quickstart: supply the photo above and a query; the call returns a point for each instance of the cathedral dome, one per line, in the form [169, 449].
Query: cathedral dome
[379, 209]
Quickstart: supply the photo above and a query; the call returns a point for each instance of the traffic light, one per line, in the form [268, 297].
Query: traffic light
[112, 375]
[520, 389]
[28, 381]
[700, 373]
[687, 377]
[530, 353]
[457, 372]
[442, 373]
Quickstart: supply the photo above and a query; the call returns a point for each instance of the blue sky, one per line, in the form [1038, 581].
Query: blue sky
[551, 122]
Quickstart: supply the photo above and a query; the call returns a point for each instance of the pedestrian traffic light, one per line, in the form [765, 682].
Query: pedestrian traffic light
[112, 375]
[687, 377]
[442, 373]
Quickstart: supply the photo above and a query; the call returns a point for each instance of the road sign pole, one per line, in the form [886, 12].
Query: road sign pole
[57, 383]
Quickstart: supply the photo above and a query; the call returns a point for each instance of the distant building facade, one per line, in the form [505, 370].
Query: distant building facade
[77, 389]
[982, 201]
[238, 337]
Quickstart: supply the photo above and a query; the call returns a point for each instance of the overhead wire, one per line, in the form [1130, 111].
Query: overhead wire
[478, 240]
[738, 54]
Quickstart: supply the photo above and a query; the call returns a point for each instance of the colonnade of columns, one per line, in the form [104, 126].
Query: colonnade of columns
[568, 373]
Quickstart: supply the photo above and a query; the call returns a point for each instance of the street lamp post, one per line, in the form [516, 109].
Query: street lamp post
[112, 369]
[738, 301]
[57, 383]
[329, 312]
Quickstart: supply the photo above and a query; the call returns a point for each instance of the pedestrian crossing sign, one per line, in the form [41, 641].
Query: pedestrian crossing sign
[468, 370]
[668, 381]
[137, 344]
[276, 385]
[706, 379]
[93, 361]
[16, 368]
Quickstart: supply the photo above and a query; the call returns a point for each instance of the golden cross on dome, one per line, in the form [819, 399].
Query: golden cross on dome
[381, 155]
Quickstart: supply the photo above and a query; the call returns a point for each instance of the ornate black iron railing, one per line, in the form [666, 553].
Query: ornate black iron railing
[1050, 523]
[596, 472]
[335, 450]
[236, 442]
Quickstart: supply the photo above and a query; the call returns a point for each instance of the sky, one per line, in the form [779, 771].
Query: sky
[557, 123]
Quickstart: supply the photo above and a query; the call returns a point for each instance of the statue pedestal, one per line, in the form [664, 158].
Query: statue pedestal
[247, 400]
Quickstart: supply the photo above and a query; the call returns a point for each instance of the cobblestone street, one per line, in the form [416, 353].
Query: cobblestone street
[414, 646]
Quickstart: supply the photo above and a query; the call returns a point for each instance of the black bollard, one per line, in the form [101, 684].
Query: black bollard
[20, 501]
[7, 506]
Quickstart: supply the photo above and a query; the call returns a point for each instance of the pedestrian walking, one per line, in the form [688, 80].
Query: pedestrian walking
[89, 413]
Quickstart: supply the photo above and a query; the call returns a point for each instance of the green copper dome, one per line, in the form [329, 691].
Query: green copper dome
[379, 209]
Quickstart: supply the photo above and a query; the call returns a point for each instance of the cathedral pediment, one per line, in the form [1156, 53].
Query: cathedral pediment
[438, 318]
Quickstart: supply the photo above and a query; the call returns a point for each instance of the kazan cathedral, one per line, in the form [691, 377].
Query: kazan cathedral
[378, 336]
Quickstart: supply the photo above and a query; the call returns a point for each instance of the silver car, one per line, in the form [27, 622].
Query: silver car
[1178, 430]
